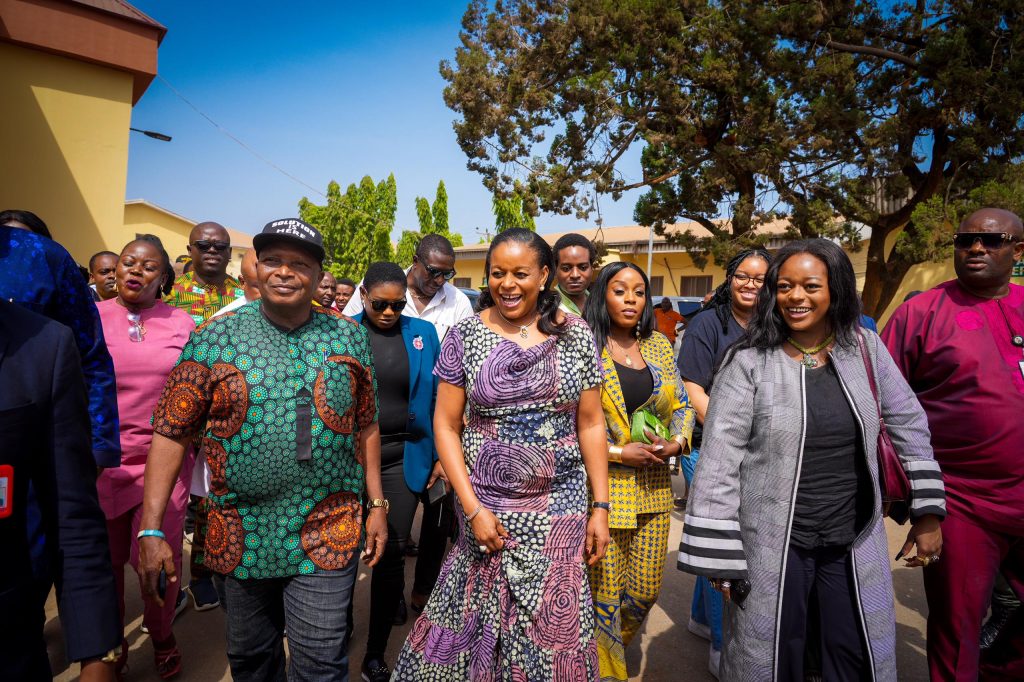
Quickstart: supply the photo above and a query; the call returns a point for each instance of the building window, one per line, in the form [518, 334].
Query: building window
[462, 282]
[657, 286]
[698, 286]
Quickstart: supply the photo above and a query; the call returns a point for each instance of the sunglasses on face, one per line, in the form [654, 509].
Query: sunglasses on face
[989, 240]
[208, 245]
[434, 273]
[381, 306]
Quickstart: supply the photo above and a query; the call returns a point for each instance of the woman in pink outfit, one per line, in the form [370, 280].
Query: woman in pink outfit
[144, 336]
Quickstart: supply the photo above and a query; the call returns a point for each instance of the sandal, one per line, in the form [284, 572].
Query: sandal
[167, 658]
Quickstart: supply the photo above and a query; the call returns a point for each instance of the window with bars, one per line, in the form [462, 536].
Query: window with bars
[695, 286]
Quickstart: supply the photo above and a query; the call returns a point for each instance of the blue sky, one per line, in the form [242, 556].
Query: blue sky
[326, 91]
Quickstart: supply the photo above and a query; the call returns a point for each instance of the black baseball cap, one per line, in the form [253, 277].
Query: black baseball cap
[294, 231]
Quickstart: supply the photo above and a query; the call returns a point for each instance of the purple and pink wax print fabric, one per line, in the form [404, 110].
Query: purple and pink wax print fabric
[524, 613]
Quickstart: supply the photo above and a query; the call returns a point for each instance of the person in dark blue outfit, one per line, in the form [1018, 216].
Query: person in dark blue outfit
[404, 352]
[44, 428]
[38, 274]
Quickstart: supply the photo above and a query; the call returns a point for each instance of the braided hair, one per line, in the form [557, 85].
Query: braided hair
[548, 300]
[721, 299]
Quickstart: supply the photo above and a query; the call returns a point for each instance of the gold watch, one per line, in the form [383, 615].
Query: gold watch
[375, 502]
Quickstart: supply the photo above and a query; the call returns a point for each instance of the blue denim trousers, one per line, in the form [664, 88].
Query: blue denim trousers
[311, 607]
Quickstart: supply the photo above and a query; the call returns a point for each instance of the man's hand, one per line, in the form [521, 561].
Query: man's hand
[154, 555]
[376, 535]
[436, 473]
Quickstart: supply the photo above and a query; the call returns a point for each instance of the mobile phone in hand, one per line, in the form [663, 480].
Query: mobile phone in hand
[161, 584]
[436, 491]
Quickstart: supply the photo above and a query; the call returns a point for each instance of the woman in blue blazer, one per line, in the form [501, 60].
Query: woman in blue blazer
[404, 352]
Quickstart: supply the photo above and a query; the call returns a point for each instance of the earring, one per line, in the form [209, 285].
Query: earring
[542, 287]
[637, 332]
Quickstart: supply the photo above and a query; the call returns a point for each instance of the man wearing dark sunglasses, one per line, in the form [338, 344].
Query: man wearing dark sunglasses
[961, 347]
[207, 287]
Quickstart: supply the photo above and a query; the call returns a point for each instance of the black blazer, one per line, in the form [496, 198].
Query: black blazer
[45, 438]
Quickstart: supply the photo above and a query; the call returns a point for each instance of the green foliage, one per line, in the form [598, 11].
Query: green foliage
[509, 213]
[831, 114]
[407, 247]
[356, 226]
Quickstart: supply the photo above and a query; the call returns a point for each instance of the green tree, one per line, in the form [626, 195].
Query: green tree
[406, 248]
[433, 219]
[833, 114]
[509, 212]
[356, 226]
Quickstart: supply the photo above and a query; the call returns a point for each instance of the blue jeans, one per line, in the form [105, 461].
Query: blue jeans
[311, 607]
[707, 601]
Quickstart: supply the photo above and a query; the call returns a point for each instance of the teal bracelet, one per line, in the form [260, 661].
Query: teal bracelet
[151, 533]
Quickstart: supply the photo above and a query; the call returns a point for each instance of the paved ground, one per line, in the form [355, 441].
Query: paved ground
[664, 651]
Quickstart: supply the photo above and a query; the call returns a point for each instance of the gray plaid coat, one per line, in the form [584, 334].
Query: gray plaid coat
[740, 508]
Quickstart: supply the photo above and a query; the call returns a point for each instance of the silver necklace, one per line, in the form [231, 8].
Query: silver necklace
[524, 330]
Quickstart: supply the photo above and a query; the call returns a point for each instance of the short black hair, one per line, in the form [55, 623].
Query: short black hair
[168, 268]
[383, 272]
[28, 219]
[434, 243]
[92, 259]
[574, 239]
[347, 282]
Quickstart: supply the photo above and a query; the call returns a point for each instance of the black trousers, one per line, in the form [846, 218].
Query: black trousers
[387, 585]
[435, 531]
[827, 571]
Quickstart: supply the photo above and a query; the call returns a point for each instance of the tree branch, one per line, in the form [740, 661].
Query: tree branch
[871, 51]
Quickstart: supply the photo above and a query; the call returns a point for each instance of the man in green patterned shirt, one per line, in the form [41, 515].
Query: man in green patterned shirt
[283, 396]
[207, 287]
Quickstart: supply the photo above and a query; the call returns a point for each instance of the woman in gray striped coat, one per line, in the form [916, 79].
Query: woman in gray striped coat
[786, 496]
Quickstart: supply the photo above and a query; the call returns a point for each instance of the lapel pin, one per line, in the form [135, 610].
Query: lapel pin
[417, 342]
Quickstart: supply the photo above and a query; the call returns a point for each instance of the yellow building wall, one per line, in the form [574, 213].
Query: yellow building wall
[65, 143]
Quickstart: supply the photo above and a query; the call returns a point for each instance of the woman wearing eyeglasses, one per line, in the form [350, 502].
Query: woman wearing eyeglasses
[144, 336]
[719, 324]
[404, 352]
[639, 382]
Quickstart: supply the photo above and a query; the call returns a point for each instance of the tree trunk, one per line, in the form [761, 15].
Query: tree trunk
[883, 277]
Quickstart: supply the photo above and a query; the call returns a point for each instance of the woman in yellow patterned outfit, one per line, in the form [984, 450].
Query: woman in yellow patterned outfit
[639, 372]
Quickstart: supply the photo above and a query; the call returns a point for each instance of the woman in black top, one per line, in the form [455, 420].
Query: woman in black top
[405, 350]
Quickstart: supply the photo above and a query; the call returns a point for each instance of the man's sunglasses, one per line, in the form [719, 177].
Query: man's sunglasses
[434, 273]
[207, 245]
[990, 240]
[381, 306]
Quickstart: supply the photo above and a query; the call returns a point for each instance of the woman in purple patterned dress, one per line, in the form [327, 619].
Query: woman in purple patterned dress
[513, 601]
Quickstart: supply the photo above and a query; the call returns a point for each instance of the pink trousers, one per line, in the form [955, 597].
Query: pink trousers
[124, 548]
[959, 590]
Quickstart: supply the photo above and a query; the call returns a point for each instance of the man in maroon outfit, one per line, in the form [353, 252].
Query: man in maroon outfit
[961, 348]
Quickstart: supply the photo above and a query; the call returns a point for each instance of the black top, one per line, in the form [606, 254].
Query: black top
[833, 500]
[637, 386]
[391, 364]
[703, 347]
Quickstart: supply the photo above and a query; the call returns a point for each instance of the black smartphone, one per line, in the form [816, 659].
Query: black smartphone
[161, 584]
[436, 491]
[739, 592]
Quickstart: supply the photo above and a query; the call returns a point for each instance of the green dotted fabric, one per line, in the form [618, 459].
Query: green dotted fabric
[239, 376]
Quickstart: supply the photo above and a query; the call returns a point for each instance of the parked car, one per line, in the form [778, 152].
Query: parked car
[474, 297]
[687, 306]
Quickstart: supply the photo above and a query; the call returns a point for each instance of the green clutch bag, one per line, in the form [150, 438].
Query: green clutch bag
[642, 421]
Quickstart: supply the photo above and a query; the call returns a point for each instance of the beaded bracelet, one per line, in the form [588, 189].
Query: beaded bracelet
[476, 511]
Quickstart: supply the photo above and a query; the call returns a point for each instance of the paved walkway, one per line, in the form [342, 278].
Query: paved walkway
[665, 651]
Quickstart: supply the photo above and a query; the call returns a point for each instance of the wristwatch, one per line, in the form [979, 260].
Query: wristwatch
[111, 656]
[378, 502]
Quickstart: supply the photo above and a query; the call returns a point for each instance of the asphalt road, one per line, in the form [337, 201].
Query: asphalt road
[664, 651]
